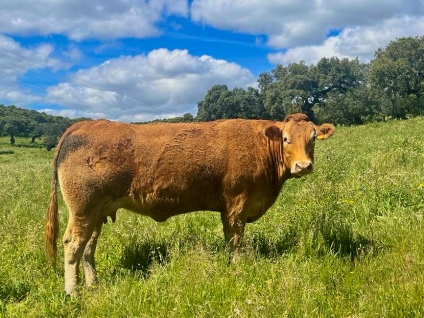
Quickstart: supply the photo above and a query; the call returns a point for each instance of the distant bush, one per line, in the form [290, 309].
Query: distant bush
[50, 141]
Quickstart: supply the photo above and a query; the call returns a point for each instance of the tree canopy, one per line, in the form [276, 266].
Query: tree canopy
[221, 103]
[343, 91]
[397, 72]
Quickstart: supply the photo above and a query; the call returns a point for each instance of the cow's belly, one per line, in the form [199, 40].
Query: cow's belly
[161, 208]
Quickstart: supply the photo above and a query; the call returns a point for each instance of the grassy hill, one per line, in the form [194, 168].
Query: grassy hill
[346, 241]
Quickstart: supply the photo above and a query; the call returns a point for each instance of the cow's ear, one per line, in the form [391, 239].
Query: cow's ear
[325, 131]
[272, 132]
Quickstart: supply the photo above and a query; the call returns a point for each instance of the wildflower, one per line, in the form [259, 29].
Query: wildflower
[421, 186]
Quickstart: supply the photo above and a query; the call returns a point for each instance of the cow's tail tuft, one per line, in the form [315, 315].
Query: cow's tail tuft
[51, 227]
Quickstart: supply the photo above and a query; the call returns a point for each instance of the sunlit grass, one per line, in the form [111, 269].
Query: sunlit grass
[346, 241]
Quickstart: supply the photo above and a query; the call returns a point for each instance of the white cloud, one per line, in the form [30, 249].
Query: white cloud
[161, 84]
[361, 42]
[292, 23]
[285, 23]
[15, 61]
[81, 19]
[73, 53]
[281, 21]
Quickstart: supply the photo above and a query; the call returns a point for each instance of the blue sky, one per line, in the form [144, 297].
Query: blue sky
[137, 60]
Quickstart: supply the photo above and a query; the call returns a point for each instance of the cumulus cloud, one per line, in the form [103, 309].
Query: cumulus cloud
[81, 19]
[281, 21]
[162, 83]
[16, 61]
[293, 23]
[357, 42]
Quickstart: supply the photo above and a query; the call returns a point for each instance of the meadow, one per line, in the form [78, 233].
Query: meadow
[346, 241]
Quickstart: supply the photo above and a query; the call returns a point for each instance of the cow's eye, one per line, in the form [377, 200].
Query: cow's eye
[285, 139]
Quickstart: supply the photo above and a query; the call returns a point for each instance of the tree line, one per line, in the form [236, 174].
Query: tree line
[341, 91]
[337, 90]
[20, 122]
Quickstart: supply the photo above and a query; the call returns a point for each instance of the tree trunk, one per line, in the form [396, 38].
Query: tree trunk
[307, 110]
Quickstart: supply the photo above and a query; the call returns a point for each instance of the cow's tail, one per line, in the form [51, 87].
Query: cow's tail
[51, 227]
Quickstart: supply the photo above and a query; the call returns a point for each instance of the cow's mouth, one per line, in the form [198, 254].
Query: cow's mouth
[301, 168]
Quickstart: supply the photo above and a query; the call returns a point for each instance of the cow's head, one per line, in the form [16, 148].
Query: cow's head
[297, 136]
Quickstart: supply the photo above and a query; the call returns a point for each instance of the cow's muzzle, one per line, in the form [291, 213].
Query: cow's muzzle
[300, 168]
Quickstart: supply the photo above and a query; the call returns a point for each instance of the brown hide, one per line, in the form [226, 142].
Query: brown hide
[235, 167]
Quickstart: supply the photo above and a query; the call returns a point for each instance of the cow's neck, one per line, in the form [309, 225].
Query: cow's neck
[278, 171]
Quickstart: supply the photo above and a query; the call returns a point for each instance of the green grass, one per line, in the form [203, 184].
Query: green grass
[346, 241]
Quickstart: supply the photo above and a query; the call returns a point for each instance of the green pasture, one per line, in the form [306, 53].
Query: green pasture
[346, 241]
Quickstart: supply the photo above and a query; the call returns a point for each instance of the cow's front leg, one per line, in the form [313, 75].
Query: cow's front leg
[233, 226]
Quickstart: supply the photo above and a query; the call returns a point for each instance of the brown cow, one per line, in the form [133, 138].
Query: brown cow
[235, 167]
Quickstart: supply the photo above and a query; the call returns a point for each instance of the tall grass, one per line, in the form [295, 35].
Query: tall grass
[346, 241]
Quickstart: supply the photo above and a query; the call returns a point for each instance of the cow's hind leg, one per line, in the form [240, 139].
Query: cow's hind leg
[75, 239]
[88, 263]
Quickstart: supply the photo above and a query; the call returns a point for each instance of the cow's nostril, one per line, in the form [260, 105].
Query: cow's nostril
[303, 166]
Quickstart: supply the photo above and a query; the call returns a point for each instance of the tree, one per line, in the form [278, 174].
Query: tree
[299, 87]
[212, 106]
[398, 72]
[187, 117]
[220, 103]
[289, 88]
[265, 80]
[12, 126]
[247, 104]
[358, 106]
[37, 132]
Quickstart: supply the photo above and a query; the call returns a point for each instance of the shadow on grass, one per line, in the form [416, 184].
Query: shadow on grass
[340, 239]
[13, 292]
[139, 256]
[335, 234]
[277, 245]
[6, 152]
[331, 234]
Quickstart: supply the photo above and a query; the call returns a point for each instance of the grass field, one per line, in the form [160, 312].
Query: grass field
[346, 241]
